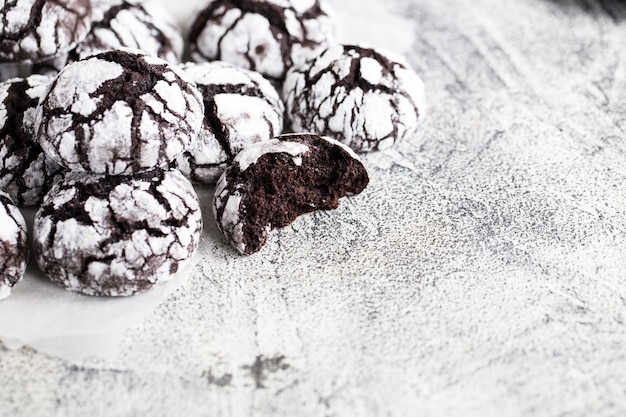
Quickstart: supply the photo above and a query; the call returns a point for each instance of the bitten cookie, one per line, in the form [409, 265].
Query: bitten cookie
[240, 108]
[124, 23]
[33, 30]
[359, 96]
[267, 36]
[13, 245]
[118, 112]
[26, 173]
[117, 235]
[271, 183]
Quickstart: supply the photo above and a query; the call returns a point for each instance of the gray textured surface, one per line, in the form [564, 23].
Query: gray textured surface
[482, 273]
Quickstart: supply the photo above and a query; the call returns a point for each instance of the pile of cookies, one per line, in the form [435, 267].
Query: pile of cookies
[106, 129]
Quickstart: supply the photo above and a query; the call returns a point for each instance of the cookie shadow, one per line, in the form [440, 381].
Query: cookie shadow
[210, 233]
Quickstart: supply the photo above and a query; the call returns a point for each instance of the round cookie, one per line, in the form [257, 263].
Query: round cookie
[13, 245]
[240, 108]
[117, 235]
[33, 30]
[271, 183]
[124, 23]
[133, 24]
[357, 95]
[26, 173]
[118, 112]
[267, 36]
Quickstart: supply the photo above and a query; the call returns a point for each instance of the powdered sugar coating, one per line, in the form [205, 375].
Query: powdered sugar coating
[124, 23]
[117, 235]
[13, 245]
[133, 24]
[118, 112]
[252, 154]
[33, 30]
[362, 97]
[26, 173]
[241, 108]
[267, 36]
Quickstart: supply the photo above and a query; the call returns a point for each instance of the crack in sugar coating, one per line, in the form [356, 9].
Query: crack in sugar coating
[124, 23]
[26, 173]
[356, 95]
[13, 245]
[262, 35]
[119, 112]
[133, 24]
[240, 108]
[271, 183]
[117, 235]
[33, 30]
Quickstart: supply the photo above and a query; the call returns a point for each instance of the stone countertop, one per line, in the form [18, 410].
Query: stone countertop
[482, 272]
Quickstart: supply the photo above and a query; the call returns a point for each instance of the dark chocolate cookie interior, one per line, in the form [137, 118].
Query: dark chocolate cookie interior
[278, 190]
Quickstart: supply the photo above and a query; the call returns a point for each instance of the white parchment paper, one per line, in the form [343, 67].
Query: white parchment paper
[44, 316]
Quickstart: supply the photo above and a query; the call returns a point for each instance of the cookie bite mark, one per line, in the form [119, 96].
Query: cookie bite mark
[118, 112]
[271, 183]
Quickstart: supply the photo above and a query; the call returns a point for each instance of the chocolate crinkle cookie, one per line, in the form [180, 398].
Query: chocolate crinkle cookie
[360, 96]
[26, 173]
[271, 183]
[267, 36]
[33, 30]
[124, 23]
[118, 112]
[13, 245]
[133, 24]
[117, 235]
[241, 107]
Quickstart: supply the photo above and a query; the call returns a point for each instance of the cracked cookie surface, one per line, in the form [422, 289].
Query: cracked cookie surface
[241, 107]
[117, 235]
[26, 173]
[13, 245]
[271, 183]
[118, 112]
[267, 36]
[357, 95]
[33, 30]
[124, 23]
[133, 24]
